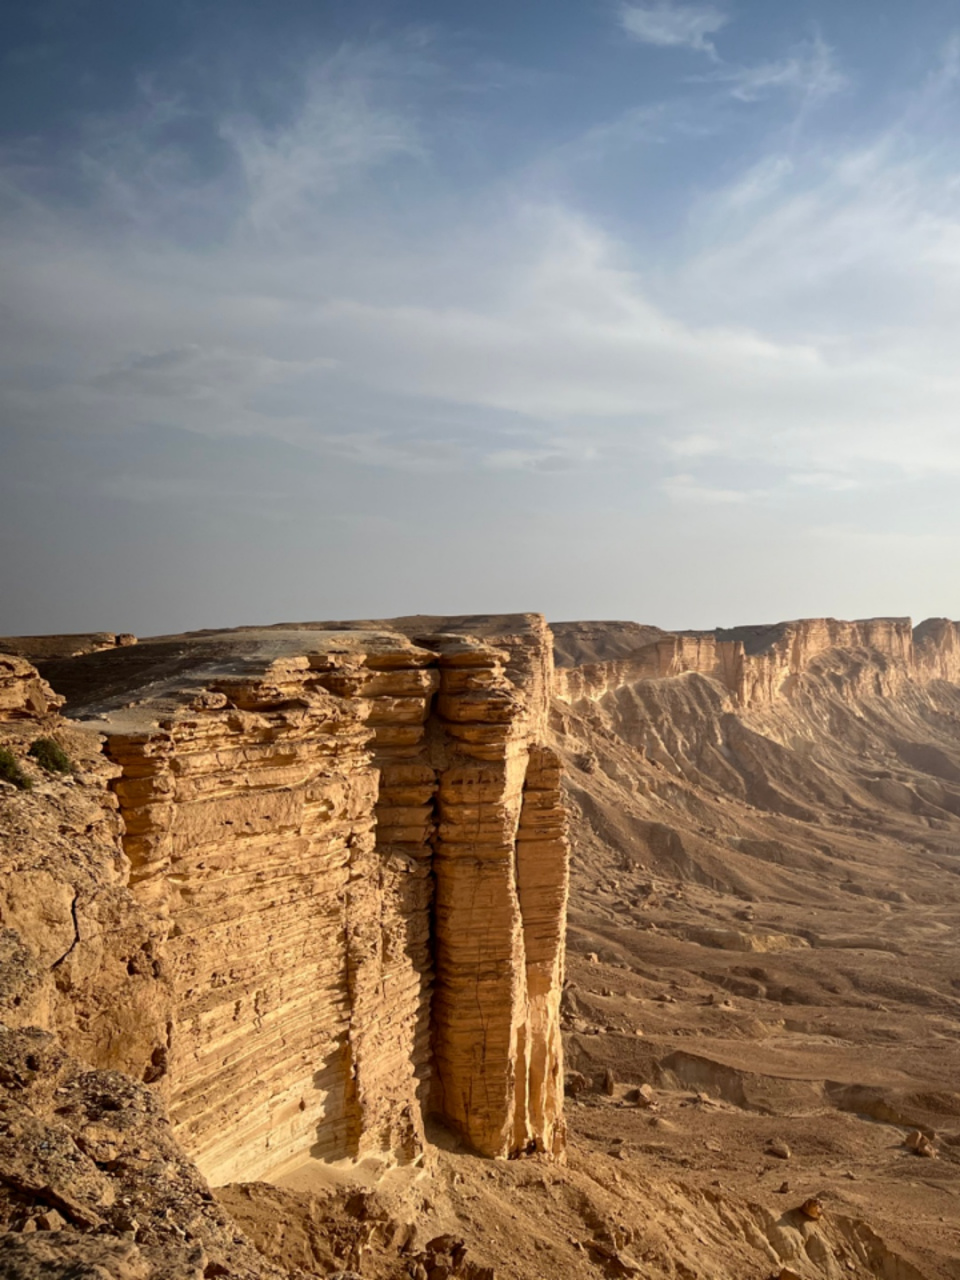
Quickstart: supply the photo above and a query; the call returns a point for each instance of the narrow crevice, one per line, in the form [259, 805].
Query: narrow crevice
[76, 934]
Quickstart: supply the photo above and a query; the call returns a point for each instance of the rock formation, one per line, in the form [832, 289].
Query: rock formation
[78, 954]
[23, 694]
[757, 664]
[350, 846]
[93, 1183]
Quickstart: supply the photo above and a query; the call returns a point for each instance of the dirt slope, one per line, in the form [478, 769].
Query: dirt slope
[763, 927]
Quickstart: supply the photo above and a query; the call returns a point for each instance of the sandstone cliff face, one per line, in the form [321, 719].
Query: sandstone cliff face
[353, 845]
[501, 886]
[662, 657]
[248, 815]
[758, 665]
[936, 648]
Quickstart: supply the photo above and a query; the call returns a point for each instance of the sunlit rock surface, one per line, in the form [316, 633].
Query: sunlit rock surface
[355, 842]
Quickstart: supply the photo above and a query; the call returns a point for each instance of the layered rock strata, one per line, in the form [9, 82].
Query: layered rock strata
[757, 665]
[500, 867]
[248, 819]
[355, 840]
[936, 649]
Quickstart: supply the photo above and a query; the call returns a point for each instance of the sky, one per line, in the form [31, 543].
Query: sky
[601, 308]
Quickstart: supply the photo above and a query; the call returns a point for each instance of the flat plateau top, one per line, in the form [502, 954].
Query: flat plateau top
[131, 687]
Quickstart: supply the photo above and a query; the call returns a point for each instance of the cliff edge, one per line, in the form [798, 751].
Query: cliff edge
[350, 848]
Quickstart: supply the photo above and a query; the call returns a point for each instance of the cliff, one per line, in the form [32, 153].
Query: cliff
[350, 848]
[757, 665]
[78, 954]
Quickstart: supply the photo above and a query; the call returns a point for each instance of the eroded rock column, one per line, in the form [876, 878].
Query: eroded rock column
[542, 884]
[497, 1054]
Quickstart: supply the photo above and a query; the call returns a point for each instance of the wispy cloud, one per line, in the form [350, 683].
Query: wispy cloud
[762, 181]
[673, 25]
[194, 370]
[340, 135]
[811, 72]
[827, 481]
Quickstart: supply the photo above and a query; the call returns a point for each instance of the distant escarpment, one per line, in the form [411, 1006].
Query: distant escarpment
[765, 900]
[756, 665]
[824, 722]
[751, 752]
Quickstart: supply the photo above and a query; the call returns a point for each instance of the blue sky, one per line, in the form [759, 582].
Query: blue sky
[644, 310]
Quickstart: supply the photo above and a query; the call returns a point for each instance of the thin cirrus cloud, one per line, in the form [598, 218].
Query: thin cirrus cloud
[338, 135]
[812, 72]
[670, 25]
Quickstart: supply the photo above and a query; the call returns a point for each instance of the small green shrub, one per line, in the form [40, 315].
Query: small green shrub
[10, 770]
[49, 755]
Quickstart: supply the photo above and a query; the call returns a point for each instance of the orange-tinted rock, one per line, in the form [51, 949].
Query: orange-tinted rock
[292, 801]
[24, 695]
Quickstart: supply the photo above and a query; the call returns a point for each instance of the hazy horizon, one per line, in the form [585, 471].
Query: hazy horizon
[602, 310]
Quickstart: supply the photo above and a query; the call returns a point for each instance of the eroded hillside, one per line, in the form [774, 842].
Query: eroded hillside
[765, 913]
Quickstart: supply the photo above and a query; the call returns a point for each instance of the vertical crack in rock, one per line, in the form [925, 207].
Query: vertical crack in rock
[76, 935]
[543, 882]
